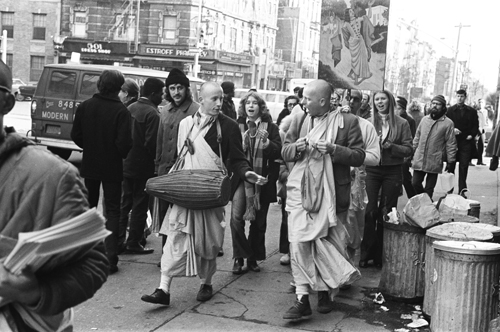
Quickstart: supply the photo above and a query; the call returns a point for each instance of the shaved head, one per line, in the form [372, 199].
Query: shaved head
[317, 97]
[210, 98]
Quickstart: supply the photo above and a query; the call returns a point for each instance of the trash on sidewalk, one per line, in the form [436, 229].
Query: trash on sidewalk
[384, 308]
[406, 316]
[418, 323]
[379, 298]
[402, 330]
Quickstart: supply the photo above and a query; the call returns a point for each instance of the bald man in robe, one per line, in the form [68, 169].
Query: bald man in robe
[325, 144]
[195, 236]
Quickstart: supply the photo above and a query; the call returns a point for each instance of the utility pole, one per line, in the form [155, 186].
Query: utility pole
[4, 46]
[137, 25]
[452, 85]
[196, 66]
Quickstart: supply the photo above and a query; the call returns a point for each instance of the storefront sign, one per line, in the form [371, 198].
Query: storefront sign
[238, 74]
[229, 73]
[208, 72]
[96, 47]
[157, 50]
[233, 57]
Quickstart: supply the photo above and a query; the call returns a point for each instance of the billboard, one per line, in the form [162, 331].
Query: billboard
[353, 43]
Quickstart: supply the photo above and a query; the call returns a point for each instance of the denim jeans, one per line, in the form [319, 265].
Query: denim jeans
[134, 201]
[430, 182]
[253, 248]
[112, 196]
[387, 181]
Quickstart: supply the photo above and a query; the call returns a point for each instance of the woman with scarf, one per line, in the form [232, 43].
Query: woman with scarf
[262, 145]
[395, 145]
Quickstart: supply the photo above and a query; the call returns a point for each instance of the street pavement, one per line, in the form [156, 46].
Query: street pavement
[253, 301]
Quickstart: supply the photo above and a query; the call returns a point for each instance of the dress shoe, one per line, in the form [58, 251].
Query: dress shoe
[481, 164]
[205, 293]
[137, 249]
[285, 259]
[252, 266]
[325, 305]
[363, 263]
[158, 297]
[220, 253]
[471, 164]
[300, 309]
[345, 287]
[113, 269]
[238, 266]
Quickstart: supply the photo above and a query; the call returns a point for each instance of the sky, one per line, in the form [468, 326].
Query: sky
[437, 19]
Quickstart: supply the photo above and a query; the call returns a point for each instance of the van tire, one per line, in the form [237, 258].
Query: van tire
[63, 153]
[19, 97]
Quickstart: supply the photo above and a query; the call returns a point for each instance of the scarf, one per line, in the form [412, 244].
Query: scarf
[253, 148]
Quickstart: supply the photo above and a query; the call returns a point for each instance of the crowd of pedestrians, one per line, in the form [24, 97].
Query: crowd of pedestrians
[336, 161]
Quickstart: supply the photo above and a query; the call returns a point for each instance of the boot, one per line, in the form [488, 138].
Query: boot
[301, 308]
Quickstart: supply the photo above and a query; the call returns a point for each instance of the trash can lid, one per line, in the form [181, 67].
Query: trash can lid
[495, 230]
[471, 201]
[470, 247]
[446, 218]
[461, 231]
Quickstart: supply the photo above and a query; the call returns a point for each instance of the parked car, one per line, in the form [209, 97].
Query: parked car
[16, 83]
[26, 92]
[274, 100]
[62, 87]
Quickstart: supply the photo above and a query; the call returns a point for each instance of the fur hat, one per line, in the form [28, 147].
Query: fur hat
[439, 99]
[227, 87]
[5, 77]
[402, 102]
[176, 77]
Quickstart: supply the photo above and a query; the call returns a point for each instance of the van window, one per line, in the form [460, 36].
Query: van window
[89, 85]
[269, 97]
[281, 99]
[240, 94]
[62, 84]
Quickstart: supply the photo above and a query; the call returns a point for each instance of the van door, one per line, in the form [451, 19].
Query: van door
[58, 105]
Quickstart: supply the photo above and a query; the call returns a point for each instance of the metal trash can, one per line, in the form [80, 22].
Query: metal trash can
[402, 275]
[475, 208]
[466, 277]
[460, 231]
[447, 218]
[495, 230]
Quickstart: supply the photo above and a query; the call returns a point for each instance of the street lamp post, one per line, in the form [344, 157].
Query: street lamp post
[452, 85]
[196, 66]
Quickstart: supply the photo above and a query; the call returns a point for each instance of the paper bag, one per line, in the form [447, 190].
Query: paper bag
[453, 204]
[420, 212]
[445, 182]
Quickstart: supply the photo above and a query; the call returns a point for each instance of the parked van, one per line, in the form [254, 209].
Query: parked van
[62, 87]
[298, 82]
[275, 100]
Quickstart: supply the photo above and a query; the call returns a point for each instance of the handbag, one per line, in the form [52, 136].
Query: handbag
[194, 189]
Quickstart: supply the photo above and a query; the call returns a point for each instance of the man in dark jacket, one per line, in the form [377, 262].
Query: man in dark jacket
[228, 107]
[466, 128]
[102, 129]
[140, 165]
[48, 191]
[401, 104]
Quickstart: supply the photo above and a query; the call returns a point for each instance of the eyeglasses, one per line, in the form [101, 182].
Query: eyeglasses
[292, 104]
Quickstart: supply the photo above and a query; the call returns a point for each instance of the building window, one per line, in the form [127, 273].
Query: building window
[39, 26]
[169, 27]
[232, 41]
[80, 24]
[7, 23]
[37, 63]
[9, 60]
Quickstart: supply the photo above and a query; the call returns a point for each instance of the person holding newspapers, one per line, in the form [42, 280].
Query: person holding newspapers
[40, 190]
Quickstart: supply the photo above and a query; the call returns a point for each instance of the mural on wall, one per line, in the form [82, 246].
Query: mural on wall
[353, 43]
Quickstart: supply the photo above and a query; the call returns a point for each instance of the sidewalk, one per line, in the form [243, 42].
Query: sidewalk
[253, 301]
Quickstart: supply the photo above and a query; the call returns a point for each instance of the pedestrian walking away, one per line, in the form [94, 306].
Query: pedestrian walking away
[434, 143]
[228, 108]
[325, 145]
[401, 104]
[262, 146]
[139, 166]
[102, 129]
[48, 191]
[195, 236]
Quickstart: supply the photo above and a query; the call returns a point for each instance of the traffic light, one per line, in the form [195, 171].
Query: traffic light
[201, 35]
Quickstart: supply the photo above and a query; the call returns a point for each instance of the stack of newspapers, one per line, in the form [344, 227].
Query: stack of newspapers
[34, 249]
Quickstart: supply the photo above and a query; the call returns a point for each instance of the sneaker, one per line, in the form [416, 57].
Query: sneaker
[300, 309]
[325, 305]
[159, 296]
[205, 293]
[285, 259]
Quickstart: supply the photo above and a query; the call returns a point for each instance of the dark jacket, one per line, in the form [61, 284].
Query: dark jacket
[140, 162]
[348, 152]
[102, 128]
[401, 146]
[228, 108]
[411, 123]
[283, 114]
[465, 119]
[270, 168]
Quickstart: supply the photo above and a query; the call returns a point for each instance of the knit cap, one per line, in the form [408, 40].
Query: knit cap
[402, 102]
[177, 77]
[227, 87]
[439, 99]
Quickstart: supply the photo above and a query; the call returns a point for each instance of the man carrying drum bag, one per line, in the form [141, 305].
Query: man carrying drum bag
[195, 222]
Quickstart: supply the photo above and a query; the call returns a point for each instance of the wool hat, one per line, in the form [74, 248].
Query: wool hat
[402, 102]
[131, 87]
[176, 76]
[356, 94]
[439, 99]
[227, 87]
[5, 77]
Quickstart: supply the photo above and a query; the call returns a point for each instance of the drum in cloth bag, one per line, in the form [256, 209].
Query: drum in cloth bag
[194, 189]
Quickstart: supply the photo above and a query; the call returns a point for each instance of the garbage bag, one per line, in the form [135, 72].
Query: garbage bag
[420, 212]
[445, 182]
[453, 204]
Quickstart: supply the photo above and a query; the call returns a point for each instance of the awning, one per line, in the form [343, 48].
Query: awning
[105, 58]
[140, 57]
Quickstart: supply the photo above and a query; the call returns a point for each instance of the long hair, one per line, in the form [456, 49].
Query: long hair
[169, 98]
[377, 121]
[110, 82]
[260, 101]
